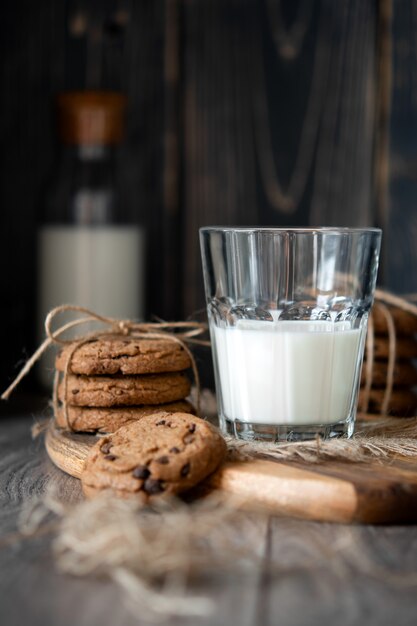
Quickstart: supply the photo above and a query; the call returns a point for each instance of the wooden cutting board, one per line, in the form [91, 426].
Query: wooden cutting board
[372, 492]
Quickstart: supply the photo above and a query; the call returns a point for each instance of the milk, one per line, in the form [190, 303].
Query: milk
[288, 372]
[100, 267]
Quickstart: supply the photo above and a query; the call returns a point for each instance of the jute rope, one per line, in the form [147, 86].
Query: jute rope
[182, 333]
[369, 366]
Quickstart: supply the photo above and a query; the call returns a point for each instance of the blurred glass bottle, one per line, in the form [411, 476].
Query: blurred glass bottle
[90, 252]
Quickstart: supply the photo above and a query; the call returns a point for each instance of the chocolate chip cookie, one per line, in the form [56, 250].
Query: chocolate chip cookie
[125, 356]
[165, 453]
[108, 420]
[108, 391]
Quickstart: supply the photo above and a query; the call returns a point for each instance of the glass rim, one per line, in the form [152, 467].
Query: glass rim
[333, 230]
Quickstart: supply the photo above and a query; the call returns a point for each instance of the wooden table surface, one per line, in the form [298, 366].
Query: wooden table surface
[311, 573]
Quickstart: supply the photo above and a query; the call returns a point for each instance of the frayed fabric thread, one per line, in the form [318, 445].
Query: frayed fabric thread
[152, 553]
[376, 440]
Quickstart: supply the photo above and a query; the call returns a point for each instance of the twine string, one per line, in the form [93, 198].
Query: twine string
[392, 353]
[177, 332]
[369, 364]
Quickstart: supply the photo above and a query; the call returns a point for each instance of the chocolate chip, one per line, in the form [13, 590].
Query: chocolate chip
[185, 470]
[75, 391]
[160, 423]
[175, 450]
[110, 457]
[163, 460]
[153, 486]
[105, 448]
[192, 428]
[188, 439]
[141, 472]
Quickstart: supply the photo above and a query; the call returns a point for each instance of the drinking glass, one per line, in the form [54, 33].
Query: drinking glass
[288, 311]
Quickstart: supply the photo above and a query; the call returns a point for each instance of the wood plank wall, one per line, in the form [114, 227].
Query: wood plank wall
[216, 129]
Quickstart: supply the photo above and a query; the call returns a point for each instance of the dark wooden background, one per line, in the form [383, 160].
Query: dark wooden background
[216, 128]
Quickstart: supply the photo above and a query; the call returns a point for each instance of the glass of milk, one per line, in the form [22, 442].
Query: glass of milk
[288, 311]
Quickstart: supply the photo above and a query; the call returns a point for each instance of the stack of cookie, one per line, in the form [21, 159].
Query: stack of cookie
[114, 381]
[403, 399]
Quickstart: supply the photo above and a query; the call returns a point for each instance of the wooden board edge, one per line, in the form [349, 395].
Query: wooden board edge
[68, 451]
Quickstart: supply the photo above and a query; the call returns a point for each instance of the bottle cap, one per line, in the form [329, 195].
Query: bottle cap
[91, 117]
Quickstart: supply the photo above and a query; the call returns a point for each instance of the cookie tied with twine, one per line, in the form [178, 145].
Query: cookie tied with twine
[389, 375]
[181, 333]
